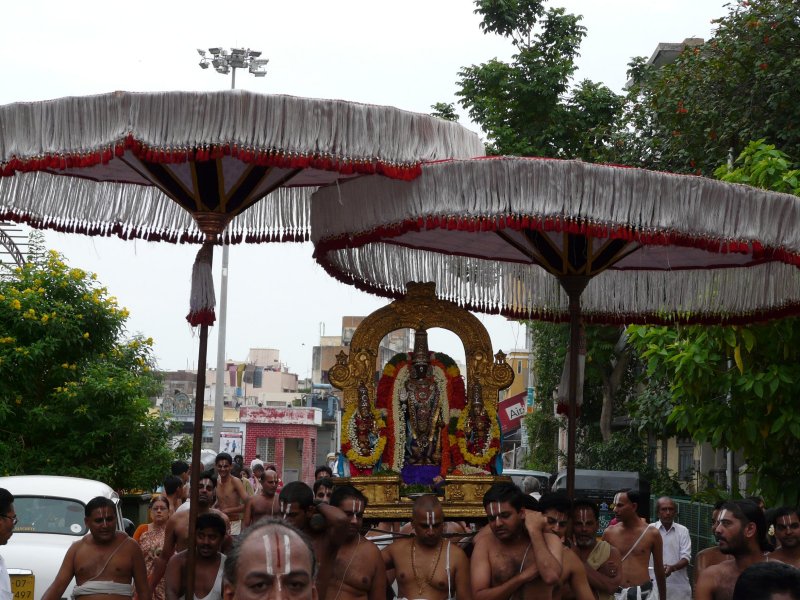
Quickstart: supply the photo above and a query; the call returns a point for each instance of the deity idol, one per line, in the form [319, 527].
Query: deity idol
[477, 424]
[366, 435]
[420, 400]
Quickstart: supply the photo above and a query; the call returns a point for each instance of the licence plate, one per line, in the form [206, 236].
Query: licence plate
[22, 587]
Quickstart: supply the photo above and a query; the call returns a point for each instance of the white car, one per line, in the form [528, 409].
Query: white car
[50, 510]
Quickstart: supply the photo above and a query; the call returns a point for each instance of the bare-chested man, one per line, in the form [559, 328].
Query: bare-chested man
[601, 560]
[574, 583]
[712, 555]
[231, 495]
[325, 526]
[271, 559]
[103, 562]
[176, 533]
[637, 542]
[522, 559]
[787, 532]
[358, 572]
[208, 567]
[427, 565]
[264, 504]
[741, 532]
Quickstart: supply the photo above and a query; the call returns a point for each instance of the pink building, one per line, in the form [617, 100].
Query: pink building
[285, 436]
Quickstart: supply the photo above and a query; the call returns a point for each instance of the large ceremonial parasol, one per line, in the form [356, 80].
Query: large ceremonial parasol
[180, 167]
[565, 240]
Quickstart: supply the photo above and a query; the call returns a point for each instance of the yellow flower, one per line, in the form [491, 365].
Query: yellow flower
[45, 318]
[7, 340]
[15, 304]
[86, 335]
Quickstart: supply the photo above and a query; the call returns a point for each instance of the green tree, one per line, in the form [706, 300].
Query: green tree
[74, 396]
[737, 387]
[741, 85]
[526, 106]
[445, 111]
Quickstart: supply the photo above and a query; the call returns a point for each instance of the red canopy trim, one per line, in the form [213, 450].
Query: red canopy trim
[266, 157]
[516, 222]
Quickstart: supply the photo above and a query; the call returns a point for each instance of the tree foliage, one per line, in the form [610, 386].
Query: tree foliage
[738, 387]
[741, 85]
[74, 396]
[526, 106]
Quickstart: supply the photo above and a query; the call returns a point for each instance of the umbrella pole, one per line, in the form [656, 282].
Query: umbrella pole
[197, 440]
[211, 224]
[573, 286]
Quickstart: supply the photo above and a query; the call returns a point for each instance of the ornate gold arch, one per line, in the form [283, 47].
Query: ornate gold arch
[420, 309]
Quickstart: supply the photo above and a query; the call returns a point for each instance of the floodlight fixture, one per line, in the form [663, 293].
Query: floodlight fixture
[227, 61]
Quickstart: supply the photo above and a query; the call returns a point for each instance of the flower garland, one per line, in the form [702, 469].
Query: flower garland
[349, 434]
[395, 374]
[493, 439]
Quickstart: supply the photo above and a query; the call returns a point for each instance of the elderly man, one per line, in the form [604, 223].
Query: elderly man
[677, 550]
[271, 559]
[103, 562]
[601, 560]
[425, 564]
[265, 503]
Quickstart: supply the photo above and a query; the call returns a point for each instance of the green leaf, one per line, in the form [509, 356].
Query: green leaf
[748, 338]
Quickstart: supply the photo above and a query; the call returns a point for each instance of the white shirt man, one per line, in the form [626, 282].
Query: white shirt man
[677, 551]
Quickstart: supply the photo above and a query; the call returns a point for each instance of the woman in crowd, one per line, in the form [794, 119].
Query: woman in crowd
[151, 538]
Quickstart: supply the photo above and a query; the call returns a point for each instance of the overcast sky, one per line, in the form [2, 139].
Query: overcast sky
[405, 54]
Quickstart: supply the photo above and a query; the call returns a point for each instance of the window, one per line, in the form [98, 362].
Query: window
[265, 447]
[685, 458]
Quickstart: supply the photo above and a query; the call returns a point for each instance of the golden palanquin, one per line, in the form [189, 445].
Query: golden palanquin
[467, 475]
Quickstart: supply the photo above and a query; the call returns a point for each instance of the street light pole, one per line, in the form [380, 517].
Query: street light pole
[227, 61]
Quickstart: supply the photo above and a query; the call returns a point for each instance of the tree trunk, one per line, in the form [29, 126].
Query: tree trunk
[611, 383]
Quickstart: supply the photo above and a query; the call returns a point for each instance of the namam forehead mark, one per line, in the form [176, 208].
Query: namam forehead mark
[356, 506]
[786, 520]
[723, 515]
[277, 555]
[494, 509]
[618, 497]
[584, 514]
[285, 508]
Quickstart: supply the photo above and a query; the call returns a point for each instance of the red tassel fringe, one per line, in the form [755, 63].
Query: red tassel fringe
[201, 317]
[261, 157]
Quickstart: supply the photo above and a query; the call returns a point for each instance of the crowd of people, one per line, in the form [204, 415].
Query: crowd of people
[308, 540]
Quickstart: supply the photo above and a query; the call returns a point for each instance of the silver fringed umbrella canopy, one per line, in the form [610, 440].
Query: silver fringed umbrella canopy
[561, 240]
[181, 167]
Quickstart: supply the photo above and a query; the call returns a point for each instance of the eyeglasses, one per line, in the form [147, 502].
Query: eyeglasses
[14, 520]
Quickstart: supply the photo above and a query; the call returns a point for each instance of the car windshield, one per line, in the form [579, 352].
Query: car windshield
[41, 514]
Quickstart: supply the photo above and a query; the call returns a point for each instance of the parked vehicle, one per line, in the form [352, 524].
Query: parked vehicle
[517, 475]
[50, 510]
[601, 486]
